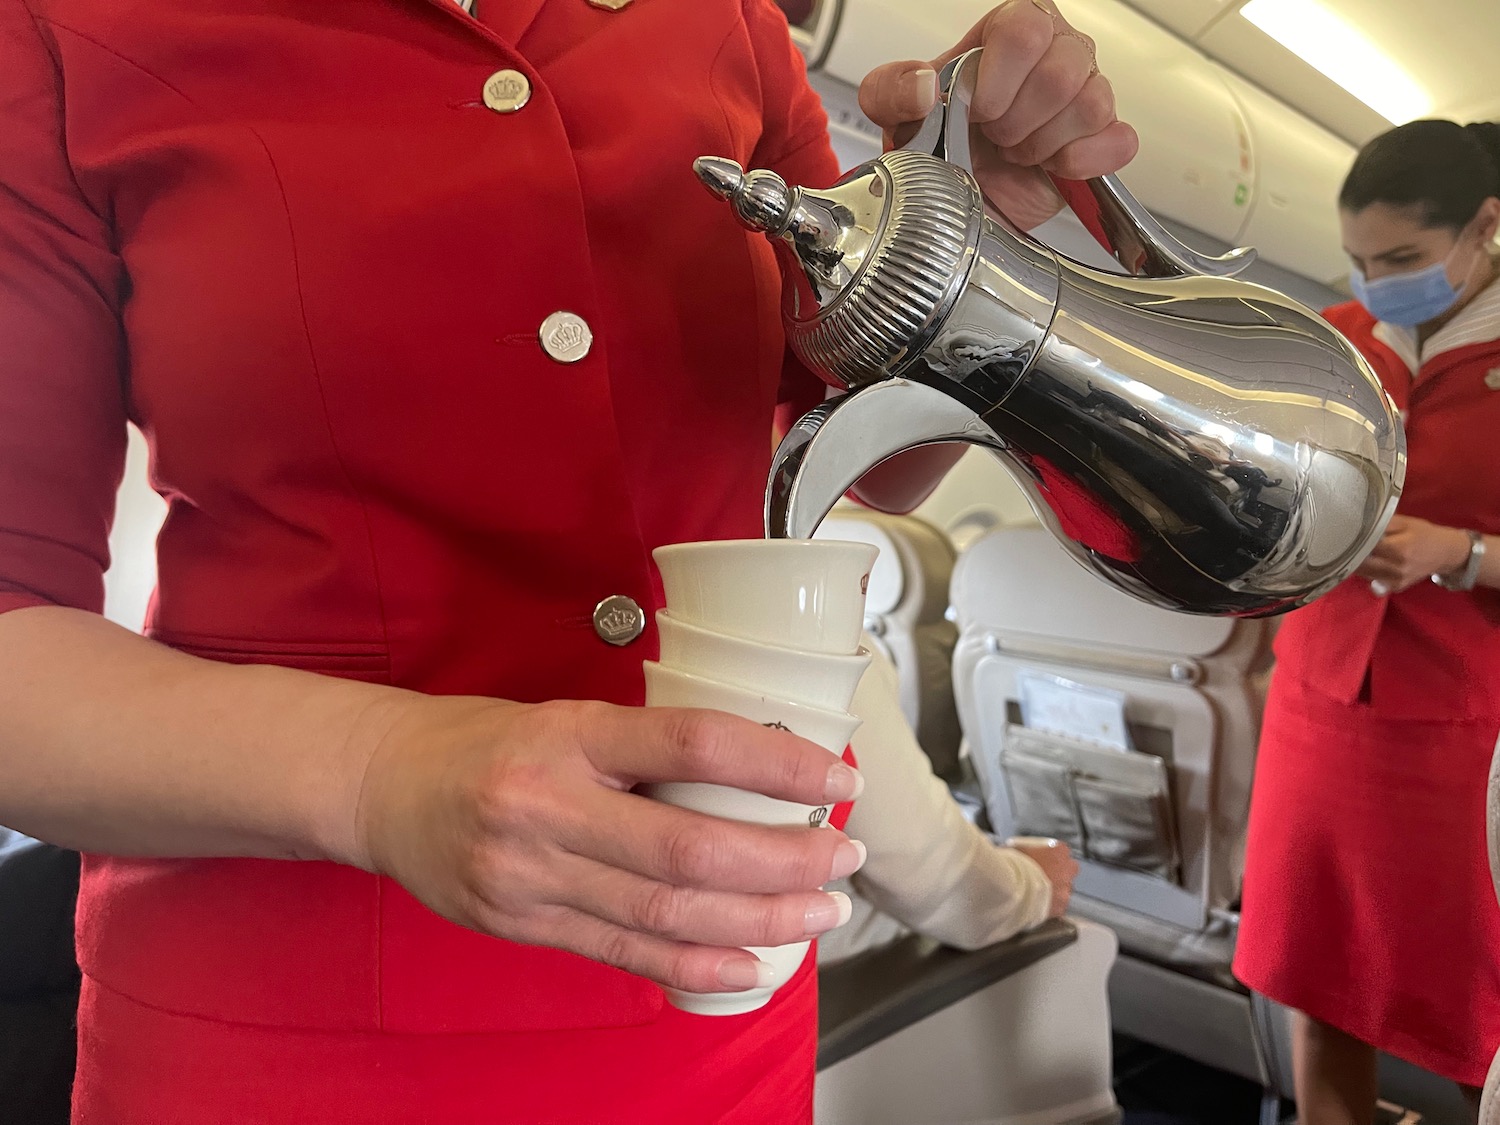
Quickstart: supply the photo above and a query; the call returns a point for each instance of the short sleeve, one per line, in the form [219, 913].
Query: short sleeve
[62, 412]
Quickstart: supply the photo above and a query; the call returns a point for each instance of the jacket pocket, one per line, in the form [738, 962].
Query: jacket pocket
[434, 976]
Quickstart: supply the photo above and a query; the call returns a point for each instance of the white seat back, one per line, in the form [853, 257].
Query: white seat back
[1193, 693]
[906, 613]
[1031, 1049]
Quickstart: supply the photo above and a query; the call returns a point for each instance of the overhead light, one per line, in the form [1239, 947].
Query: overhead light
[1327, 43]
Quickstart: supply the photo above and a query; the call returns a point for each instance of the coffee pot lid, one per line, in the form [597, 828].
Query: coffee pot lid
[875, 263]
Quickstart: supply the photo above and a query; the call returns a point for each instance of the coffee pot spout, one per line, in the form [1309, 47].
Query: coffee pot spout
[832, 446]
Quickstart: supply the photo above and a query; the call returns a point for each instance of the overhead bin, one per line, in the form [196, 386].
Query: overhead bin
[1300, 167]
[1218, 155]
[1196, 163]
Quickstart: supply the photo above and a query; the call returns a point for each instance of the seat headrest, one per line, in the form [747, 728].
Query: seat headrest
[915, 567]
[1020, 580]
[888, 575]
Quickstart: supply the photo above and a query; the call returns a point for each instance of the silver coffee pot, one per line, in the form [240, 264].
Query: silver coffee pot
[1206, 444]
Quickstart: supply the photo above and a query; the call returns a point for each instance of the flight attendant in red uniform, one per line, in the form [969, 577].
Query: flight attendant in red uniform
[1368, 904]
[434, 337]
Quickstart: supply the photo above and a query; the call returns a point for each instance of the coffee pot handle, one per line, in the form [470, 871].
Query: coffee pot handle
[1138, 242]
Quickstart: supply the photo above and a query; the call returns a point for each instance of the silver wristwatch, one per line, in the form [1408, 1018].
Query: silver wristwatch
[1466, 578]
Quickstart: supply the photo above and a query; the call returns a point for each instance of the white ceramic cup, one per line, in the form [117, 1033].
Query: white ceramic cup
[672, 687]
[798, 593]
[821, 679]
[784, 960]
[1033, 842]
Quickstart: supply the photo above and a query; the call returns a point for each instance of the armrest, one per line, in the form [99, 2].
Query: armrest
[882, 991]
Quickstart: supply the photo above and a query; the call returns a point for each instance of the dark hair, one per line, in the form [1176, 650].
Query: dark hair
[1445, 169]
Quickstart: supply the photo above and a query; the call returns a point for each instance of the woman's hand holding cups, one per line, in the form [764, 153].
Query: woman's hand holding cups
[520, 821]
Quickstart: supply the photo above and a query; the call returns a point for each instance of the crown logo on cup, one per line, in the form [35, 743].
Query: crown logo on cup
[864, 584]
[818, 817]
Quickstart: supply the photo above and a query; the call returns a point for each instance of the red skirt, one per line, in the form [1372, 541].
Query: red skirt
[1368, 901]
[142, 1066]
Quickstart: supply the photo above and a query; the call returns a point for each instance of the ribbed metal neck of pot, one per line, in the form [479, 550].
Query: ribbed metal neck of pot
[908, 276]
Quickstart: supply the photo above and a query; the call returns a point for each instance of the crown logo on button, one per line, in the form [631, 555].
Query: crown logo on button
[566, 338]
[507, 89]
[818, 817]
[618, 623]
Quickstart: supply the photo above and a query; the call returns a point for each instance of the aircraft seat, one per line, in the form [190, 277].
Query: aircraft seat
[1159, 829]
[914, 1033]
[906, 615]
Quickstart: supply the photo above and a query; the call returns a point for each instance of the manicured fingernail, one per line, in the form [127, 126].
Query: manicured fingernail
[844, 784]
[739, 975]
[849, 858]
[921, 86]
[830, 913]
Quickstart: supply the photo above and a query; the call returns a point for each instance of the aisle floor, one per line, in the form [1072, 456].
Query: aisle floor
[1155, 1087]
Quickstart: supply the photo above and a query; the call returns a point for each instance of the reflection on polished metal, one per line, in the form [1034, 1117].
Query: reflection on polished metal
[1205, 444]
[619, 620]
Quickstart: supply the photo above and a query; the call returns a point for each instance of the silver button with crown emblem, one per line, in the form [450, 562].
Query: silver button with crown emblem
[566, 337]
[506, 91]
[619, 620]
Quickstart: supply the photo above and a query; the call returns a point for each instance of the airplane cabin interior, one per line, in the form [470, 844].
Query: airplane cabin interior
[1051, 699]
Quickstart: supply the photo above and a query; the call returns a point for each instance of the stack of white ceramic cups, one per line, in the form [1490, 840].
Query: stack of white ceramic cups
[768, 630]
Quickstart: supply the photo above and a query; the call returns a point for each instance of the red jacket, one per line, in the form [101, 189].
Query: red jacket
[1429, 653]
[293, 243]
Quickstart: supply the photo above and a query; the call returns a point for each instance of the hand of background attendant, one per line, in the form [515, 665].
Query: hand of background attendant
[1411, 551]
[519, 821]
[1040, 101]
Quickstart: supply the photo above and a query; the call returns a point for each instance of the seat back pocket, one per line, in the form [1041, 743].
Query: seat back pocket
[1042, 799]
[1111, 806]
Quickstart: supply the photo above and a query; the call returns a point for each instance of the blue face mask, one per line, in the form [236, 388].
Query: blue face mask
[1407, 299]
